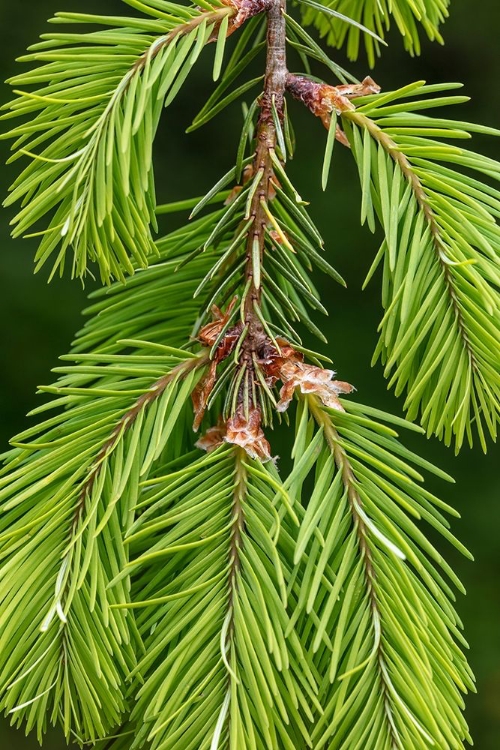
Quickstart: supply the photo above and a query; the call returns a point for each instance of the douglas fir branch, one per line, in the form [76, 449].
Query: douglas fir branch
[166, 582]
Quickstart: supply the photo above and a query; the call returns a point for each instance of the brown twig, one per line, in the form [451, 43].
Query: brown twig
[273, 94]
[266, 137]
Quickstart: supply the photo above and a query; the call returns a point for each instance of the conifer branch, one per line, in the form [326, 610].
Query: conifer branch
[359, 553]
[152, 595]
[370, 575]
[127, 421]
[103, 200]
[79, 510]
[418, 190]
[428, 224]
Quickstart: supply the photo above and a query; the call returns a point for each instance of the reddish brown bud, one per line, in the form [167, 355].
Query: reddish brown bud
[277, 237]
[311, 379]
[322, 99]
[248, 434]
[273, 359]
[235, 191]
[201, 394]
[210, 332]
[213, 438]
[352, 90]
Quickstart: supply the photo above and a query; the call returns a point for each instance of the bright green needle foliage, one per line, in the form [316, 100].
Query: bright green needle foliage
[382, 643]
[440, 335]
[410, 17]
[67, 496]
[156, 305]
[171, 590]
[218, 627]
[148, 564]
[93, 104]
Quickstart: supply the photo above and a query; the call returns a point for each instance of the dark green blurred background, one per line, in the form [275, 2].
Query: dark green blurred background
[37, 321]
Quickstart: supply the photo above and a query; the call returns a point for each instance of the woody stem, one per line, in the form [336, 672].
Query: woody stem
[271, 99]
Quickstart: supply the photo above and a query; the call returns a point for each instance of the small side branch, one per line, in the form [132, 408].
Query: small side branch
[322, 99]
[209, 17]
[361, 530]
[419, 193]
[126, 422]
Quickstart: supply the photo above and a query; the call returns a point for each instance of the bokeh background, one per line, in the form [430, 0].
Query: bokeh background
[37, 321]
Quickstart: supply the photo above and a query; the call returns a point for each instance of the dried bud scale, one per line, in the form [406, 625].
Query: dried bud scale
[246, 432]
[322, 99]
[278, 361]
